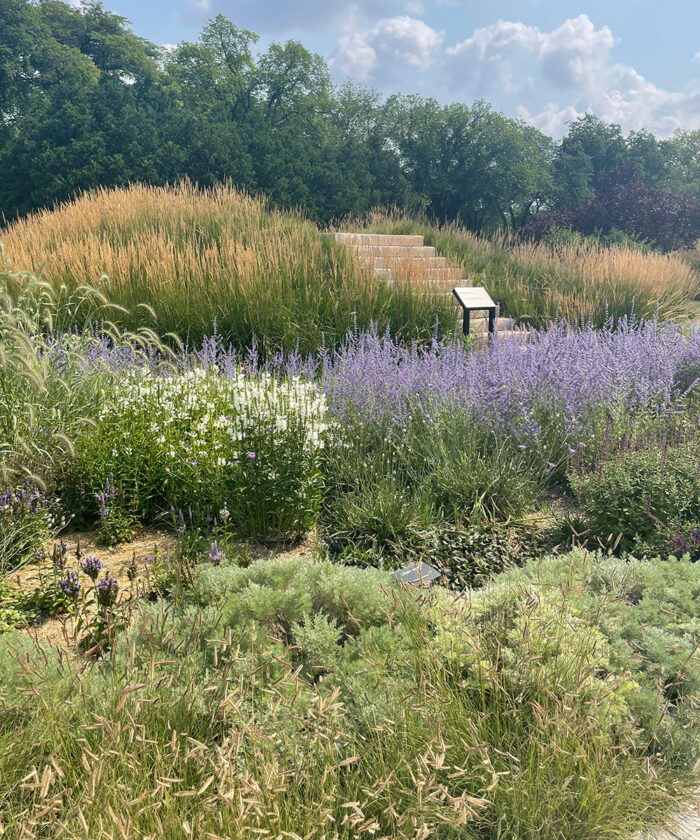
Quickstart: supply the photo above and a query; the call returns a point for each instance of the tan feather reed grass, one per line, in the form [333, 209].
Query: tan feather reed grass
[180, 258]
[540, 282]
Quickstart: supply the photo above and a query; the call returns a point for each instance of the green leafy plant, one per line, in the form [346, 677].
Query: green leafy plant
[641, 497]
[12, 609]
[197, 437]
[117, 522]
[469, 555]
[28, 520]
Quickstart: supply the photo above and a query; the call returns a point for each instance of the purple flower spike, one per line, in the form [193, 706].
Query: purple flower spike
[215, 555]
[91, 566]
[107, 591]
[70, 586]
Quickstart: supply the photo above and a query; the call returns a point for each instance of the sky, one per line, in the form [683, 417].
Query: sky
[632, 62]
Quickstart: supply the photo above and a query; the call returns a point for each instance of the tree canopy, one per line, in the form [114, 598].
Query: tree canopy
[85, 102]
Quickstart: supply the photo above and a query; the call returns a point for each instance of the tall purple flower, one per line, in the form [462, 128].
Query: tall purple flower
[91, 566]
[70, 585]
[107, 591]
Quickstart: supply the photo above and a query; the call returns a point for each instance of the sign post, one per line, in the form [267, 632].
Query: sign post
[475, 298]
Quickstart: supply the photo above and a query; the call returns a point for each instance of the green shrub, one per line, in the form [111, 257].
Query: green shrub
[248, 444]
[469, 555]
[635, 623]
[642, 496]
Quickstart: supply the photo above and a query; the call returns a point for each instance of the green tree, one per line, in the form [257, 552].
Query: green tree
[469, 163]
[79, 121]
[591, 149]
[684, 166]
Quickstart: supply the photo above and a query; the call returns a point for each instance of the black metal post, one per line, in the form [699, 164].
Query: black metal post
[465, 322]
[492, 320]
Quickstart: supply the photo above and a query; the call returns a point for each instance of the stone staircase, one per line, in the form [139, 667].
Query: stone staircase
[401, 258]
[405, 259]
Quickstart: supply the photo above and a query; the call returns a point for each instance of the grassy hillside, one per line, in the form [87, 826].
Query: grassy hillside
[535, 283]
[180, 258]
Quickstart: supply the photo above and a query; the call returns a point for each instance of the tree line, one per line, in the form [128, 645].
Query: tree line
[85, 102]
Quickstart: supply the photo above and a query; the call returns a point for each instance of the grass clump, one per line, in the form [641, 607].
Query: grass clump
[571, 280]
[649, 497]
[290, 696]
[181, 260]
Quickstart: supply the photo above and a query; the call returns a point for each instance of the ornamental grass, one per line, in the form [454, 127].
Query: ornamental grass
[537, 283]
[182, 260]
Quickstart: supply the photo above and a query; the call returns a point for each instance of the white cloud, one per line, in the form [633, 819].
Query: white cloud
[401, 40]
[354, 56]
[553, 120]
[200, 7]
[291, 18]
[407, 40]
[573, 60]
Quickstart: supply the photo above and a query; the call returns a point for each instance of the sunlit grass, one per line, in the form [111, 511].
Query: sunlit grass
[181, 259]
[536, 283]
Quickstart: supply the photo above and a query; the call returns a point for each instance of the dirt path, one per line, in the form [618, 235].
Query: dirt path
[687, 826]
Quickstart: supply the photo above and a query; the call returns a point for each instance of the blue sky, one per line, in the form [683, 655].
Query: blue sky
[635, 62]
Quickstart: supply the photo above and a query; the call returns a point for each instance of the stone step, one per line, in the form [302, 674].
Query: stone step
[438, 276]
[389, 262]
[395, 250]
[400, 240]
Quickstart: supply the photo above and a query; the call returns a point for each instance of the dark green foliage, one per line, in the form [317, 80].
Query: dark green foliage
[469, 555]
[86, 102]
[643, 496]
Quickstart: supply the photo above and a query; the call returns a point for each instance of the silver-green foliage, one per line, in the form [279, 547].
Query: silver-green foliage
[294, 695]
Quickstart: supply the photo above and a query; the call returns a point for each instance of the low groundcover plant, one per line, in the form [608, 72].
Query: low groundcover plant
[296, 694]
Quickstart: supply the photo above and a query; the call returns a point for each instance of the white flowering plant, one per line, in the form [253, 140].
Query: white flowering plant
[249, 443]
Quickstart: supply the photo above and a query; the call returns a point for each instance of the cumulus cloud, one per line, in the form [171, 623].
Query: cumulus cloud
[355, 57]
[283, 18]
[401, 40]
[573, 61]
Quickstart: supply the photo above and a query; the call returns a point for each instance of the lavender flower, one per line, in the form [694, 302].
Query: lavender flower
[571, 375]
[107, 495]
[107, 591]
[215, 555]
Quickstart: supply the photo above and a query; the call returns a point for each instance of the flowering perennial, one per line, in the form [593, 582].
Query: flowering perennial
[216, 417]
[562, 373]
